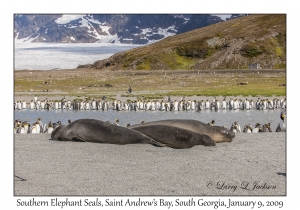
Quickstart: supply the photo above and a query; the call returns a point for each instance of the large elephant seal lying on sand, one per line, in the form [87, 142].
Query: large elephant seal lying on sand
[91, 130]
[175, 137]
[217, 133]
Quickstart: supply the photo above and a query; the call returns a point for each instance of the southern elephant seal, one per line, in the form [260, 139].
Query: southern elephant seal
[92, 130]
[175, 137]
[217, 133]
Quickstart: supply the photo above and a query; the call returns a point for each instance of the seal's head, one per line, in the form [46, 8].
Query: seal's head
[56, 133]
[223, 134]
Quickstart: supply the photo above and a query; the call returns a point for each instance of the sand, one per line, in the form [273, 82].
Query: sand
[252, 164]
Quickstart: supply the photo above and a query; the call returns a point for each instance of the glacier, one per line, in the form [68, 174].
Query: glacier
[53, 56]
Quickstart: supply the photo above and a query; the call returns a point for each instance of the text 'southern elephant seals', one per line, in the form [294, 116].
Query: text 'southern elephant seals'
[175, 137]
[217, 133]
[92, 130]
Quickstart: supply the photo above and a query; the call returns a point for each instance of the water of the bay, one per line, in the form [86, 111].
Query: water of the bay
[221, 117]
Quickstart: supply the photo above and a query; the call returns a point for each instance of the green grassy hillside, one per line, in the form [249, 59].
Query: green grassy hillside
[233, 44]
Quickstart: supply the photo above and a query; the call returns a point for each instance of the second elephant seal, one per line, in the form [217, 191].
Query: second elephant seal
[217, 133]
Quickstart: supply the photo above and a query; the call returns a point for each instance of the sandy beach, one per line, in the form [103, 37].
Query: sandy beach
[252, 164]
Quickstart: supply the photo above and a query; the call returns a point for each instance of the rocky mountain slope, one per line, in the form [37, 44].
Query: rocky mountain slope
[233, 44]
[108, 28]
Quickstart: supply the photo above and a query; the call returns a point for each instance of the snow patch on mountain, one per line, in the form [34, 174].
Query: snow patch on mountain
[85, 23]
[27, 39]
[105, 29]
[161, 31]
[223, 17]
[68, 18]
[108, 38]
[145, 31]
[166, 32]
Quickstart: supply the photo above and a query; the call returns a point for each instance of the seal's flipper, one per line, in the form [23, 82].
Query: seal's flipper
[156, 143]
[78, 138]
[150, 140]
